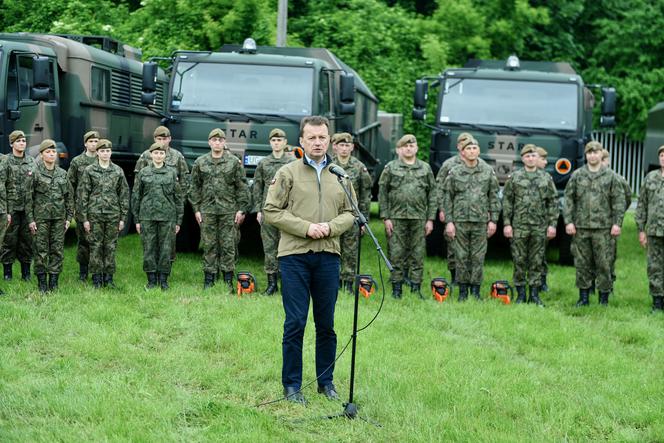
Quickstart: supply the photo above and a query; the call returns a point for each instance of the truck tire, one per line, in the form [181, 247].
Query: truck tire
[189, 236]
[436, 244]
[564, 242]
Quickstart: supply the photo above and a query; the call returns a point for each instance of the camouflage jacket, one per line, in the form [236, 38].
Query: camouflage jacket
[627, 190]
[650, 209]
[471, 194]
[157, 195]
[594, 200]
[407, 191]
[48, 195]
[361, 180]
[443, 172]
[218, 186]
[22, 169]
[7, 187]
[530, 199]
[265, 172]
[75, 175]
[174, 159]
[103, 192]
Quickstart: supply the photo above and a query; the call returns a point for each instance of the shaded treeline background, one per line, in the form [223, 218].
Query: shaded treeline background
[393, 42]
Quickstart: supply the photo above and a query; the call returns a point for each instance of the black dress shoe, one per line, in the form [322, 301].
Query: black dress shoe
[294, 395]
[330, 391]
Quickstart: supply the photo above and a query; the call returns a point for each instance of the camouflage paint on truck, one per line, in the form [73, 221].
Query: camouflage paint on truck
[654, 138]
[94, 82]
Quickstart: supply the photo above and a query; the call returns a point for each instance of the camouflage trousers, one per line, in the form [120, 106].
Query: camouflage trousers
[49, 246]
[656, 265]
[528, 247]
[82, 246]
[18, 240]
[4, 225]
[158, 244]
[270, 237]
[470, 244]
[218, 238]
[349, 244]
[451, 261]
[103, 241]
[406, 249]
[593, 253]
[545, 263]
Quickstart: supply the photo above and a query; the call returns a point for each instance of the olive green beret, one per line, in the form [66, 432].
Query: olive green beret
[161, 131]
[660, 150]
[542, 152]
[90, 134]
[276, 132]
[468, 142]
[463, 136]
[342, 137]
[528, 149]
[104, 144]
[15, 135]
[406, 139]
[156, 147]
[593, 146]
[46, 144]
[216, 132]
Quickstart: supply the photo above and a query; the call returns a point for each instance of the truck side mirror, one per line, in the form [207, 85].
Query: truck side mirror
[608, 118]
[420, 99]
[41, 76]
[347, 88]
[149, 83]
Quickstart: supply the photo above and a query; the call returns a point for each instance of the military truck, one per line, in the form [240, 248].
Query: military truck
[248, 90]
[654, 138]
[60, 86]
[505, 105]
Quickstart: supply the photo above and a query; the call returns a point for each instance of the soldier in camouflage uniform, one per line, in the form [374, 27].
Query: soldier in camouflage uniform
[407, 199]
[18, 239]
[472, 209]
[158, 209]
[104, 202]
[650, 223]
[627, 191]
[174, 159]
[342, 145]
[74, 175]
[265, 172]
[594, 210]
[7, 197]
[541, 164]
[440, 181]
[219, 196]
[530, 214]
[49, 207]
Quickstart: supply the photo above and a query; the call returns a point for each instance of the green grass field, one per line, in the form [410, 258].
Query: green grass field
[84, 365]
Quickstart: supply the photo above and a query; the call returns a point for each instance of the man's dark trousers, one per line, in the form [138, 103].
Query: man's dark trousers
[314, 275]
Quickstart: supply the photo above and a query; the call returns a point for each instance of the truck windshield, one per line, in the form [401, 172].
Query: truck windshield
[238, 88]
[510, 103]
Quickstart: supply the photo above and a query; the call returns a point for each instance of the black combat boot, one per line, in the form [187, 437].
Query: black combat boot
[53, 281]
[83, 272]
[163, 281]
[657, 304]
[475, 291]
[534, 296]
[228, 279]
[396, 289]
[108, 281]
[25, 271]
[520, 294]
[97, 281]
[42, 284]
[604, 297]
[8, 270]
[544, 286]
[208, 280]
[453, 280]
[463, 292]
[272, 286]
[152, 280]
[415, 289]
[583, 297]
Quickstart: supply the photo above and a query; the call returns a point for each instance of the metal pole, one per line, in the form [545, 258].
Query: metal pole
[282, 22]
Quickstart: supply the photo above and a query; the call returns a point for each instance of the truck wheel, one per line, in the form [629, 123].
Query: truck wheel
[564, 242]
[190, 234]
[436, 244]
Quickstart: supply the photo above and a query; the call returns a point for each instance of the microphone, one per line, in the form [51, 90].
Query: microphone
[338, 171]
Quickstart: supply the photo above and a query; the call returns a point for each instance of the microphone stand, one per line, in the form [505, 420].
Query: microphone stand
[350, 408]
